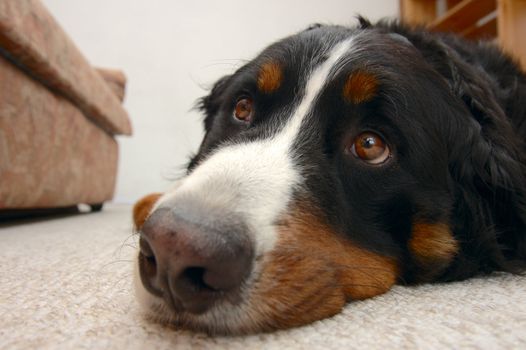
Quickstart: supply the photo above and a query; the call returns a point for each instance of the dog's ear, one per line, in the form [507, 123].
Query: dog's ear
[143, 208]
[486, 163]
[488, 180]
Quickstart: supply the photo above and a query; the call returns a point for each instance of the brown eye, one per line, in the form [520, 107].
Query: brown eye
[243, 109]
[370, 148]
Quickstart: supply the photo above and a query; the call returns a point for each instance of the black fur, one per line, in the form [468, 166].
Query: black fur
[453, 111]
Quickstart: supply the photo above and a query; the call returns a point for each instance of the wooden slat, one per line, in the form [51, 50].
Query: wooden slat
[463, 15]
[418, 11]
[486, 31]
[511, 28]
[452, 3]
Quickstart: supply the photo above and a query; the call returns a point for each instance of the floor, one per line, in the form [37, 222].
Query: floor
[65, 283]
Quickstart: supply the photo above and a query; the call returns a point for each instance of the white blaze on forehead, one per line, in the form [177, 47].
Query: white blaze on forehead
[315, 83]
[255, 180]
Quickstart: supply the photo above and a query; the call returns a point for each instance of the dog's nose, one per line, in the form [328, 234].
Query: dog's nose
[193, 265]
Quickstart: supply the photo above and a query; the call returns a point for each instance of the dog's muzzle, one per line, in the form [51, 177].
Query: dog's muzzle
[194, 258]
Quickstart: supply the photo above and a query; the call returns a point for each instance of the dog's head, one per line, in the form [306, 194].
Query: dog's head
[336, 163]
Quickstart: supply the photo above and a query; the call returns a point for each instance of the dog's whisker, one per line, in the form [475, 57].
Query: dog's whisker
[115, 262]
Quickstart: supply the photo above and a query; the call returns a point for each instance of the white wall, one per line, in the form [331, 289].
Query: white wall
[171, 50]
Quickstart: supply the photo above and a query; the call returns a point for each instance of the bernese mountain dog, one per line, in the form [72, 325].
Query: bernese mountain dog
[337, 163]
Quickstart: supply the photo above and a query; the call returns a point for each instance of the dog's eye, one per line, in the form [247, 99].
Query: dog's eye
[370, 148]
[243, 110]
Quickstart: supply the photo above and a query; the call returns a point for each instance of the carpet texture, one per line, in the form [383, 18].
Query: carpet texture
[66, 283]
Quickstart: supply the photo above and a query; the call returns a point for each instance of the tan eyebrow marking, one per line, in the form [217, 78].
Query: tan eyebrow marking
[360, 87]
[270, 77]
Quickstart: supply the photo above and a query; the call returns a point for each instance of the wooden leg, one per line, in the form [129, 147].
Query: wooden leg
[511, 28]
[96, 207]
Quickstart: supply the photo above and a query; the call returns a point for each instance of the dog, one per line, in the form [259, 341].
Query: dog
[337, 163]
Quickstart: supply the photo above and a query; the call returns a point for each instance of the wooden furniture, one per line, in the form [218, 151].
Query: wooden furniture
[504, 20]
[58, 115]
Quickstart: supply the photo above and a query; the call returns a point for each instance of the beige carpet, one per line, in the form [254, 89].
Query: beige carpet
[66, 283]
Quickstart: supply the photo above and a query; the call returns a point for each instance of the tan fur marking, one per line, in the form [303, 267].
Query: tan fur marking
[360, 87]
[270, 77]
[142, 209]
[313, 272]
[433, 241]
[433, 247]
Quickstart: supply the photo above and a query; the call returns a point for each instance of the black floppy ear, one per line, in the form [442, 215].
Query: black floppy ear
[489, 182]
[490, 206]
[487, 164]
[486, 159]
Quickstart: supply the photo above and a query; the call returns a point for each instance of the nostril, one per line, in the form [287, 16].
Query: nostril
[146, 250]
[190, 288]
[148, 267]
[195, 277]
[148, 255]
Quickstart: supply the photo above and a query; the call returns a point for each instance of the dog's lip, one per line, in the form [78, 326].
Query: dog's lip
[178, 306]
[173, 302]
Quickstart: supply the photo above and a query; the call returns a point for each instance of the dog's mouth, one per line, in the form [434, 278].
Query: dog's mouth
[220, 285]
